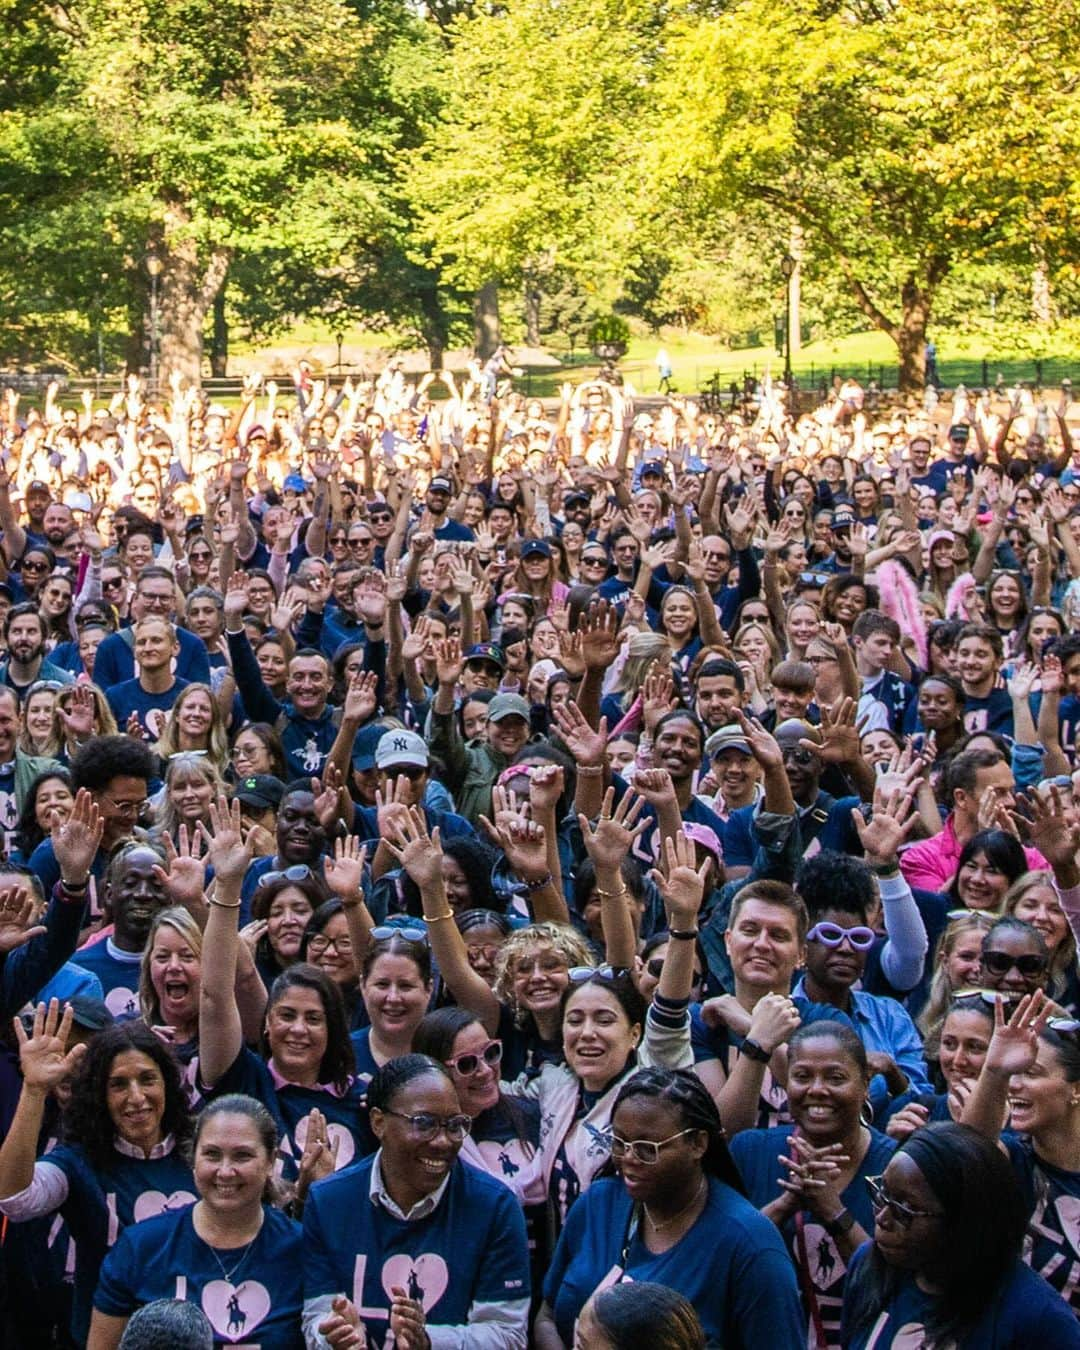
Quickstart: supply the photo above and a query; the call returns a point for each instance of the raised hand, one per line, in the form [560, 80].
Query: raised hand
[599, 628]
[680, 883]
[370, 600]
[1053, 827]
[236, 597]
[1022, 680]
[344, 872]
[890, 825]
[327, 794]
[44, 1057]
[571, 656]
[228, 852]
[1014, 1045]
[417, 851]
[392, 805]
[657, 788]
[16, 913]
[588, 746]
[839, 736]
[78, 717]
[546, 785]
[76, 840]
[360, 697]
[448, 661]
[740, 523]
[657, 696]
[184, 873]
[612, 838]
[763, 745]
[523, 841]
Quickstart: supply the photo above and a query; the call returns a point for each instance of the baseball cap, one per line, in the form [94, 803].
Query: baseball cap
[941, 535]
[727, 738]
[794, 730]
[507, 705]
[217, 410]
[37, 486]
[571, 498]
[843, 518]
[536, 548]
[401, 747]
[254, 433]
[486, 651]
[365, 745]
[706, 836]
[260, 789]
[89, 1013]
[960, 432]
[440, 483]
[78, 501]
[294, 483]
[654, 467]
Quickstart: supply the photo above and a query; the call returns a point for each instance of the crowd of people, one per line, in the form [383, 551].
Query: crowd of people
[484, 874]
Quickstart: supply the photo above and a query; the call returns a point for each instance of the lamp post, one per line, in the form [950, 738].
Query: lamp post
[153, 270]
[787, 267]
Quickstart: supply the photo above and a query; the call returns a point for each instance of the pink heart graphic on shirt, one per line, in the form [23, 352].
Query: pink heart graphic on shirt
[235, 1311]
[152, 1203]
[122, 1002]
[346, 1144]
[424, 1278]
[1068, 1212]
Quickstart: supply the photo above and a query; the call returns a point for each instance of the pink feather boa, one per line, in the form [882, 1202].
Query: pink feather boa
[900, 600]
[956, 600]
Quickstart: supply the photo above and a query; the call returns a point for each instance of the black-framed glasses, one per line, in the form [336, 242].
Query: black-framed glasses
[387, 931]
[645, 1151]
[299, 872]
[1000, 963]
[470, 1061]
[905, 1215]
[426, 1126]
[321, 943]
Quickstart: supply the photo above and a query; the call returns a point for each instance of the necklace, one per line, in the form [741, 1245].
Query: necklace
[659, 1227]
[230, 1275]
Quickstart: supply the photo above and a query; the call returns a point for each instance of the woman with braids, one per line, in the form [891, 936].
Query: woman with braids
[412, 1236]
[124, 1131]
[944, 1269]
[676, 1215]
[231, 1253]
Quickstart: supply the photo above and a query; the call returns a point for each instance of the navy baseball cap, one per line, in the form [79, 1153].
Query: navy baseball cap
[365, 745]
[486, 651]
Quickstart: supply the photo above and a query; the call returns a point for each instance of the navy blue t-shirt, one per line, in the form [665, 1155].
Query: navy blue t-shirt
[731, 1265]
[992, 712]
[756, 1154]
[1052, 1245]
[152, 709]
[165, 1258]
[470, 1249]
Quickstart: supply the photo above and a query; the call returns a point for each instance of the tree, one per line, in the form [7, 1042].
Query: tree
[880, 129]
[211, 133]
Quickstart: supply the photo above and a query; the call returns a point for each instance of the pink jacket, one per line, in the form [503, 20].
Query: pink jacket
[931, 864]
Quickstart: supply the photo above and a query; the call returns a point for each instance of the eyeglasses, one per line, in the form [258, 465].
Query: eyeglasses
[469, 1062]
[300, 872]
[1000, 963]
[832, 935]
[126, 808]
[426, 1126]
[321, 943]
[796, 755]
[388, 931]
[645, 1151]
[905, 1216]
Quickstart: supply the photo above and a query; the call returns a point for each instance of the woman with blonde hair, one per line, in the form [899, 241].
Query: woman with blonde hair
[957, 966]
[192, 782]
[37, 721]
[1033, 898]
[169, 975]
[194, 724]
[643, 651]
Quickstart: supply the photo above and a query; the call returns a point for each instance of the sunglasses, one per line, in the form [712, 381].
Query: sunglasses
[35, 567]
[339, 539]
[380, 520]
[469, 1063]
[832, 935]
[300, 872]
[412, 772]
[112, 584]
[387, 931]
[905, 1216]
[594, 562]
[580, 974]
[799, 756]
[1000, 963]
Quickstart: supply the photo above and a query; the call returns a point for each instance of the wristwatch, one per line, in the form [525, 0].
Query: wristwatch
[752, 1050]
[843, 1223]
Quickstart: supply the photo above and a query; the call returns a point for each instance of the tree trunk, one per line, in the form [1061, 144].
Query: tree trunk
[219, 341]
[187, 289]
[532, 315]
[486, 320]
[1042, 305]
[911, 337]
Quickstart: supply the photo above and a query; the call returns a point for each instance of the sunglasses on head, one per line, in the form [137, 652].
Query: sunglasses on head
[1000, 963]
[300, 872]
[387, 931]
[580, 974]
[832, 935]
